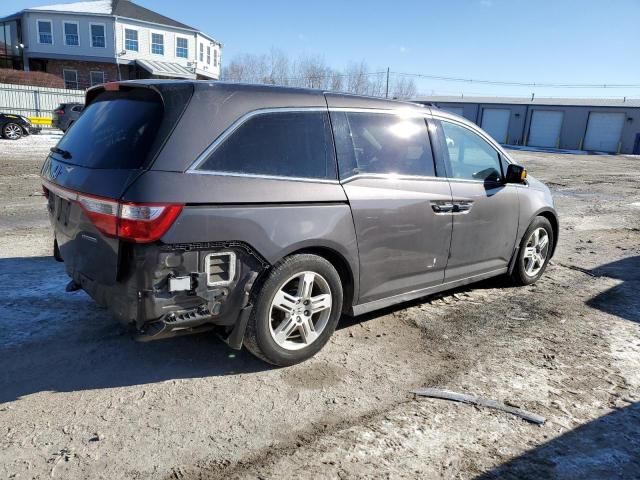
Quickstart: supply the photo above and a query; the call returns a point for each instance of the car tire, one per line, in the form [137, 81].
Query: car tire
[296, 310]
[12, 131]
[534, 253]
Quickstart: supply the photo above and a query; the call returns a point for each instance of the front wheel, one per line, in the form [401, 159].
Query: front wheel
[12, 131]
[296, 310]
[534, 253]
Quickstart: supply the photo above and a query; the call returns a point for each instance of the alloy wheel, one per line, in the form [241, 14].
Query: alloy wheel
[536, 252]
[300, 310]
[12, 131]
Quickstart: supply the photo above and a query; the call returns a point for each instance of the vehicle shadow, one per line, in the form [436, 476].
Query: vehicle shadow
[57, 341]
[608, 447]
[622, 300]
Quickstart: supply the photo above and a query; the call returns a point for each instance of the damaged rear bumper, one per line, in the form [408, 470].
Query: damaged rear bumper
[168, 290]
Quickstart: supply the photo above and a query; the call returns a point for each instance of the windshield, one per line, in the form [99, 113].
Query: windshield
[116, 131]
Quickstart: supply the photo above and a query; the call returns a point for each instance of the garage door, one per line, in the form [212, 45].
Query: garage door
[545, 128]
[495, 121]
[456, 110]
[604, 131]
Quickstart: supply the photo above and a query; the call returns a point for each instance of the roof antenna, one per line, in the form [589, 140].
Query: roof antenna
[533, 96]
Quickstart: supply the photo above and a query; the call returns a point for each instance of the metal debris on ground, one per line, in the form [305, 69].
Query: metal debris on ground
[479, 401]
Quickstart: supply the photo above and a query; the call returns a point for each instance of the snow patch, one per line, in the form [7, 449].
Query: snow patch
[97, 6]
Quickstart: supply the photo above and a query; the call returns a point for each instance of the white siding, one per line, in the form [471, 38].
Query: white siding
[85, 49]
[144, 42]
[212, 69]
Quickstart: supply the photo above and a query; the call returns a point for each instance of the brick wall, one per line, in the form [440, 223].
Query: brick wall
[56, 67]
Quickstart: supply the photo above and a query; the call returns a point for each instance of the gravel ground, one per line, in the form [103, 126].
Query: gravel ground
[79, 399]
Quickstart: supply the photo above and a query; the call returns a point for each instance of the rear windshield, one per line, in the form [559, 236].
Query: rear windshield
[115, 131]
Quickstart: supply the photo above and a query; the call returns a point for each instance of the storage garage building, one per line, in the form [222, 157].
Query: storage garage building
[573, 124]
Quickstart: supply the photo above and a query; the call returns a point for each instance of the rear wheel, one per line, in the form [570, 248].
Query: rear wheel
[534, 253]
[12, 131]
[296, 310]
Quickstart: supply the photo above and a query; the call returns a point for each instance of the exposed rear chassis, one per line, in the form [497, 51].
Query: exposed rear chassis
[140, 298]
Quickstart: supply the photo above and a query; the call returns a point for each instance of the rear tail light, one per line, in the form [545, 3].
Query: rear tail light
[102, 212]
[134, 222]
[60, 111]
[146, 223]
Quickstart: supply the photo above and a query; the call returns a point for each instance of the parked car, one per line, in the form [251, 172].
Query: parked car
[66, 115]
[265, 213]
[14, 127]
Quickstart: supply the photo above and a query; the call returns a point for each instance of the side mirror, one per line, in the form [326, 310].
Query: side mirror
[515, 174]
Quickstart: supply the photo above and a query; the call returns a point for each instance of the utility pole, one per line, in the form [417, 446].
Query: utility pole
[386, 94]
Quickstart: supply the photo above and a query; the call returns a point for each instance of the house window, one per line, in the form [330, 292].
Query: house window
[182, 47]
[202, 52]
[45, 32]
[130, 40]
[97, 78]
[215, 58]
[70, 79]
[157, 44]
[98, 36]
[208, 54]
[71, 36]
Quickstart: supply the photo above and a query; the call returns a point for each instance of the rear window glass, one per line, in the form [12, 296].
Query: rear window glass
[286, 144]
[382, 144]
[115, 131]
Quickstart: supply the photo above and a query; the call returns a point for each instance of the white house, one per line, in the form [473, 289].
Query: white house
[92, 42]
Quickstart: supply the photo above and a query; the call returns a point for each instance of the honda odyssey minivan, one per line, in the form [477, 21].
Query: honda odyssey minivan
[265, 213]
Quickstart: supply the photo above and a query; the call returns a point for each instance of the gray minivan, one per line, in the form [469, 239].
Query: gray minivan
[265, 213]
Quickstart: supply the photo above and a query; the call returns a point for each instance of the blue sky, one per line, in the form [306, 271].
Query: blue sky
[561, 41]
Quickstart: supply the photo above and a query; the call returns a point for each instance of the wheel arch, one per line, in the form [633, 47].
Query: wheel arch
[552, 217]
[555, 225]
[339, 262]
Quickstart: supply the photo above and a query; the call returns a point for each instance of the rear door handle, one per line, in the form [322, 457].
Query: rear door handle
[442, 207]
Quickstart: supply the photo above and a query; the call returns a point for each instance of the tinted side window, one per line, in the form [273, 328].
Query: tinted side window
[381, 143]
[470, 156]
[288, 144]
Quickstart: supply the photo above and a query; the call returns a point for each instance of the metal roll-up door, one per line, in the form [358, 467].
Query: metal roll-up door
[545, 128]
[495, 121]
[604, 131]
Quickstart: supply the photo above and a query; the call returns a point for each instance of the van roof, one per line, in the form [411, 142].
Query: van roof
[276, 90]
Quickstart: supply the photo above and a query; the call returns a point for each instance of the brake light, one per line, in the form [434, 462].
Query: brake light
[60, 111]
[134, 222]
[102, 212]
[146, 223]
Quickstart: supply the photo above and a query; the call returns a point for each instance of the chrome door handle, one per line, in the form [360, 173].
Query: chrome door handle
[442, 207]
[462, 206]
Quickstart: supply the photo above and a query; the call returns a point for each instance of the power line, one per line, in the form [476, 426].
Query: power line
[517, 84]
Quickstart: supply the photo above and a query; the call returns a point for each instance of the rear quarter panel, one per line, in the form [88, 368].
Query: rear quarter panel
[274, 217]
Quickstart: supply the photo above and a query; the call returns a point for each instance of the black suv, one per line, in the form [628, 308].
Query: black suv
[14, 127]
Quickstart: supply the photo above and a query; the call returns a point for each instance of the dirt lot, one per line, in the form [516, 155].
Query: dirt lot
[79, 399]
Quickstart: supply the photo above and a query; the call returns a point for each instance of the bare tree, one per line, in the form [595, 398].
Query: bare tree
[275, 68]
[403, 87]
